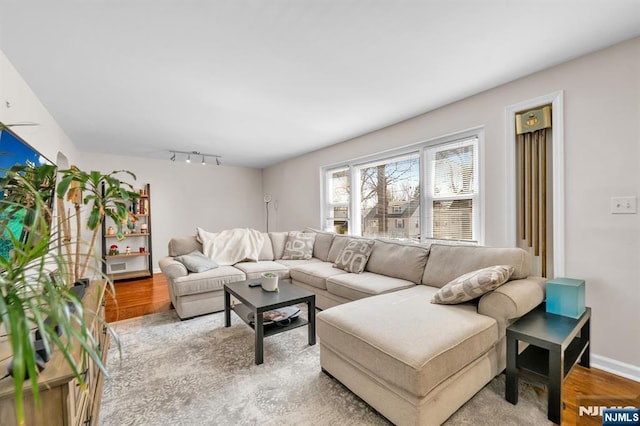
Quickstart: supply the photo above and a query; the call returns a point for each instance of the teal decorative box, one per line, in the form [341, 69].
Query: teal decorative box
[565, 296]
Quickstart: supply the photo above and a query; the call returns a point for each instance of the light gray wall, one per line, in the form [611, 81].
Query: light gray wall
[184, 196]
[602, 140]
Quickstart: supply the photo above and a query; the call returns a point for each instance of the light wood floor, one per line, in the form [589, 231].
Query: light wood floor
[147, 296]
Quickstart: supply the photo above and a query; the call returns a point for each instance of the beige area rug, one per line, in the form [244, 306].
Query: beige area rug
[197, 372]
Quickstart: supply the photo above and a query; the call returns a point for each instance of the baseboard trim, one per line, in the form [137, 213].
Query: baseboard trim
[618, 368]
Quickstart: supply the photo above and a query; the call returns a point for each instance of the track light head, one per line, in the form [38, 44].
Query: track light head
[173, 157]
[188, 158]
[203, 163]
[218, 161]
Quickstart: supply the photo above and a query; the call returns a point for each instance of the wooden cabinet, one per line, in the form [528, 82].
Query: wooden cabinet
[62, 400]
[134, 258]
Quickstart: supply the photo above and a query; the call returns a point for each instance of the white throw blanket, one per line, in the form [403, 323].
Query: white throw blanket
[231, 246]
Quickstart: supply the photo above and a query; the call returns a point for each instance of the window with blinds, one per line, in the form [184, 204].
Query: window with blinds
[453, 189]
[382, 195]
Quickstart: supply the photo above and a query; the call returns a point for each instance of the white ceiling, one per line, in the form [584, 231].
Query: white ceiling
[260, 81]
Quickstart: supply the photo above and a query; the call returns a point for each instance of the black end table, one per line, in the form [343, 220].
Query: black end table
[257, 301]
[555, 342]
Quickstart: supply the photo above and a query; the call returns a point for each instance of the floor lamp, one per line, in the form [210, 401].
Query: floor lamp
[267, 200]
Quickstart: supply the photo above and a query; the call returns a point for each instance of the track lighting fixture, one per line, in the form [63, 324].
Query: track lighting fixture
[188, 155]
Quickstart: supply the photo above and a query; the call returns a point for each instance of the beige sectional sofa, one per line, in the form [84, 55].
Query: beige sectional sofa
[414, 361]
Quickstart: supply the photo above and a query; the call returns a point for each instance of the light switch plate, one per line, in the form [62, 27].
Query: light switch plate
[623, 205]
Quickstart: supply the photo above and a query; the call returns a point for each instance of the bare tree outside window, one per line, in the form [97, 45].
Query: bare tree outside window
[388, 201]
[389, 191]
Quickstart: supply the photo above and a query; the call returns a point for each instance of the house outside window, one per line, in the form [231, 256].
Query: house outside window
[387, 200]
[387, 188]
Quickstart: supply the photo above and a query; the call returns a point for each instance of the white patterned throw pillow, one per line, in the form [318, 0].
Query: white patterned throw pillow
[473, 284]
[354, 255]
[299, 246]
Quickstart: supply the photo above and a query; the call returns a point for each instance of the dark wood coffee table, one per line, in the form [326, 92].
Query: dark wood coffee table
[257, 300]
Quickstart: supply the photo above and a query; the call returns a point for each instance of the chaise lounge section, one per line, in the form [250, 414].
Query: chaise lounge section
[417, 362]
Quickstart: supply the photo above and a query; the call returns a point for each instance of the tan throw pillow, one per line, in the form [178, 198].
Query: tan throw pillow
[473, 284]
[299, 246]
[354, 255]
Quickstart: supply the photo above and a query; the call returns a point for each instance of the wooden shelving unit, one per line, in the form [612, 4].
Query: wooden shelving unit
[136, 264]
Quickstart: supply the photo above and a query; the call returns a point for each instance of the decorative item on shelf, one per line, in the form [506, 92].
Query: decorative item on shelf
[141, 249]
[128, 250]
[113, 250]
[131, 223]
[111, 231]
[144, 228]
[270, 281]
[566, 297]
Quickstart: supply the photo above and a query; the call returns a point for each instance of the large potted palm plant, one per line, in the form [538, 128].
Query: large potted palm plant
[98, 195]
[29, 298]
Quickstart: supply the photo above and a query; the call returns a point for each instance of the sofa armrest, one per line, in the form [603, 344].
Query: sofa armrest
[512, 300]
[172, 269]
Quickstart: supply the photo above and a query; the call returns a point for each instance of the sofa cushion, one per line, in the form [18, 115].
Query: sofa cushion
[211, 280]
[398, 260]
[315, 274]
[266, 253]
[183, 245]
[322, 244]
[473, 284]
[196, 261]
[449, 262]
[278, 240]
[295, 263]
[358, 286]
[299, 246]
[253, 269]
[404, 340]
[354, 256]
[338, 243]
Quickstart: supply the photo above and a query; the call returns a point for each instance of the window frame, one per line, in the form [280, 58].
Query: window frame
[428, 197]
[426, 206]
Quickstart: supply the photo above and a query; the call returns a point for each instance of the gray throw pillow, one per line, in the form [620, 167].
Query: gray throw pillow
[354, 255]
[473, 284]
[299, 246]
[196, 262]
